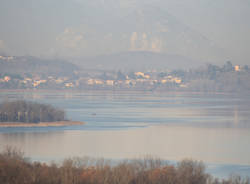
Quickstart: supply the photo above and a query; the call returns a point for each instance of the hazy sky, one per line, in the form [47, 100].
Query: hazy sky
[78, 28]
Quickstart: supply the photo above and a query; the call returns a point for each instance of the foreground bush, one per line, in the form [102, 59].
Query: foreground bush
[15, 169]
[30, 112]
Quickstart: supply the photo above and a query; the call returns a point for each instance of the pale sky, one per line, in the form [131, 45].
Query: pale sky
[212, 30]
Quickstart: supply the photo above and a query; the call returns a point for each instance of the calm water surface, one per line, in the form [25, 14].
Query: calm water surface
[214, 128]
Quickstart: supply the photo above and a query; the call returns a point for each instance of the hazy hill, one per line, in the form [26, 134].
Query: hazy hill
[80, 28]
[33, 65]
[137, 60]
[148, 27]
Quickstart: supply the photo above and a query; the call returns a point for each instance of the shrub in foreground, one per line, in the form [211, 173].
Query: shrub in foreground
[15, 169]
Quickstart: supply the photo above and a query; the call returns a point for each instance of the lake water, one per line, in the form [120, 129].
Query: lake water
[214, 128]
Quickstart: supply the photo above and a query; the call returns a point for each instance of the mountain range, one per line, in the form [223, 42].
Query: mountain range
[80, 29]
[148, 27]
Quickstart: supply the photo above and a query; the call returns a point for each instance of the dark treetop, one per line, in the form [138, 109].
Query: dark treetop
[29, 112]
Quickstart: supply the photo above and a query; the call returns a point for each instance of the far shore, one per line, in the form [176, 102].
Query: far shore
[40, 124]
[107, 91]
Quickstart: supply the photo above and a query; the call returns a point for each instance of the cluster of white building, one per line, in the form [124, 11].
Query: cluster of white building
[140, 79]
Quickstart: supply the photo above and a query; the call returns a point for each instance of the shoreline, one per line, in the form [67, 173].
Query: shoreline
[41, 124]
[119, 91]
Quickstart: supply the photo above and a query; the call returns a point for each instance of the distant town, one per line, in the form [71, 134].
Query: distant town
[209, 78]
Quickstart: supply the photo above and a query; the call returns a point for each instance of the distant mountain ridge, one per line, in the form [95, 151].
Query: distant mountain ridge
[113, 27]
[81, 28]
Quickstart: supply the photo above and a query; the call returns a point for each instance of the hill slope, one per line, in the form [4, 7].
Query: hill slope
[33, 65]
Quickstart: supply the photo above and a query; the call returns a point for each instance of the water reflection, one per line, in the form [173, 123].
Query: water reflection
[210, 127]
[214, 145]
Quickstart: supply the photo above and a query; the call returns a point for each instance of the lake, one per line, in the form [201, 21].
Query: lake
[214, 128]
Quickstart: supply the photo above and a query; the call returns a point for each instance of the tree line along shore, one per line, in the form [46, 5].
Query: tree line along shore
[22, 113]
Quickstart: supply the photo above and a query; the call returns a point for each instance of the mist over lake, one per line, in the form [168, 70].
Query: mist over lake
[125, 91]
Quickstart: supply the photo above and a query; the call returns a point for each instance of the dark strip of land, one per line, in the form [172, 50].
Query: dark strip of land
[41, 124]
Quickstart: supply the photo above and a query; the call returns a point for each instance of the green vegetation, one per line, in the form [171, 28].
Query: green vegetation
[29, 112]
[14, 168]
